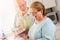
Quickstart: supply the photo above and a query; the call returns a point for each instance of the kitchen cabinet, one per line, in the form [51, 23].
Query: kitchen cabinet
[31, 1]
[47, 3]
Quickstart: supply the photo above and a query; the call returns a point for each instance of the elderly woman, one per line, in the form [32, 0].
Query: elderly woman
[43, 28]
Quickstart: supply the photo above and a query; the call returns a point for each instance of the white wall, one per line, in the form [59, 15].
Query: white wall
[7, 15]
[57, 5]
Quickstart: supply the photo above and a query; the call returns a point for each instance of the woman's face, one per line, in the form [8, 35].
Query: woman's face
[37, 14]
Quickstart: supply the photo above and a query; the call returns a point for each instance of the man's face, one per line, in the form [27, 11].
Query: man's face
[22, 5]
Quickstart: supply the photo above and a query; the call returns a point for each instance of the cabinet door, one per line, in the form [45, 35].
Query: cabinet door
[31, 1]
[49, 3]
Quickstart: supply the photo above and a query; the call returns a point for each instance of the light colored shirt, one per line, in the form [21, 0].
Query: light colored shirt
[26, 21]
[45, 30]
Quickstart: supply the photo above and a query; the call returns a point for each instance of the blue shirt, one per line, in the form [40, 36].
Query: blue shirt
[45, 31]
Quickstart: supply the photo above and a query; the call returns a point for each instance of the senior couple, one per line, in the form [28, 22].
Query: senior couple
[36, 26]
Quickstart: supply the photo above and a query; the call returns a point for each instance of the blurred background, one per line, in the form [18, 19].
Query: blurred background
[8, 12]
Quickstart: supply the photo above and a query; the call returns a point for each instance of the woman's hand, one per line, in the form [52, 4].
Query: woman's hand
[24, 36]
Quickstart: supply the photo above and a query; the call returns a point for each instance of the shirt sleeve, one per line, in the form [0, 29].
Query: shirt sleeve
[48, 31]
[15, 21]
[18, 21]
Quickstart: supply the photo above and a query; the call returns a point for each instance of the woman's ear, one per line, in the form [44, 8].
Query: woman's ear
[41, 11]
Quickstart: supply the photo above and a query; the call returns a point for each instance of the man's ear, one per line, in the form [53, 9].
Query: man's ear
[27, 8]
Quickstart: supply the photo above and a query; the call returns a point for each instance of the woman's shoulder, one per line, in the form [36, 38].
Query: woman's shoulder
[49, 23]
[48, 20]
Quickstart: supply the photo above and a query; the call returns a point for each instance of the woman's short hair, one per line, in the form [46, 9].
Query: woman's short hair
[38, 6]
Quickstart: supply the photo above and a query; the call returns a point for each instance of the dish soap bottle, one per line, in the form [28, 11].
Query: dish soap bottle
[3, 36]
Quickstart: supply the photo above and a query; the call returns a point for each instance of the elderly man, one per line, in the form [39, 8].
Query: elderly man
[22, 20]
